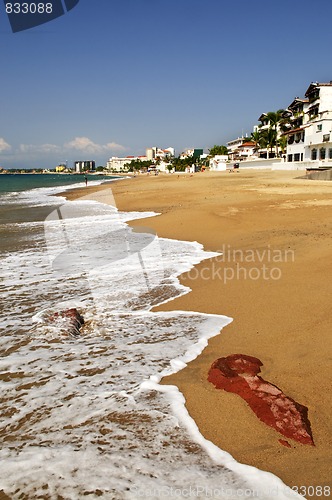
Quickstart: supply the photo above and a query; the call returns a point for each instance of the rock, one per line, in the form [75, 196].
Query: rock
[72, 319]
[284, 443]
[238, 373]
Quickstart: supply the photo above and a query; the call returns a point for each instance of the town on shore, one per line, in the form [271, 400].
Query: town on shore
[295, 138]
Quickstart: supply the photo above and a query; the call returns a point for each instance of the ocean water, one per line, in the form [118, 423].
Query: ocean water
[24, 182]
[84, 416]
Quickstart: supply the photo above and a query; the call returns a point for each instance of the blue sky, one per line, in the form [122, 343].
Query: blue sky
[112, 77]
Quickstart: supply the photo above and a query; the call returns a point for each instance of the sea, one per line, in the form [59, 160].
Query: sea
[83, 415]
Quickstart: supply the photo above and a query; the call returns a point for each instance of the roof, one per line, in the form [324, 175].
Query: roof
[294, 130]
[296, 101]
[314, 85]
[247, 144]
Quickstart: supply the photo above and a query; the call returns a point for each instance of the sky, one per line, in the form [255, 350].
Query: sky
[113, 77]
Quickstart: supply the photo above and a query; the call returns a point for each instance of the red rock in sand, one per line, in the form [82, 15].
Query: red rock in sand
[237, 373]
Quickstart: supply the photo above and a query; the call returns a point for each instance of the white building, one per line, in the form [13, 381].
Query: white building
[240, 149]
[84, 166]
[187, 153]
[156, 153]
[116, 164]
[310, 138]
[158, 157]
[218, 162]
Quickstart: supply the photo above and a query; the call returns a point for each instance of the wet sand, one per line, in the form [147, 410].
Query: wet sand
[274, 279]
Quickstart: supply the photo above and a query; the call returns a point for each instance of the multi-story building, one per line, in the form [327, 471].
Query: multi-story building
[84, 166]
[297, 117]
[192, 153]
[240, 149]
[310, 136]
[116, 164]
[156, 153]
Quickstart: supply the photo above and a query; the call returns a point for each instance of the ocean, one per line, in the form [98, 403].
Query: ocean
[85, 416]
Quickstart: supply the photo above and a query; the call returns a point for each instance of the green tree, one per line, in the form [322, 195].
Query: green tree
[218, 150]
[259, 137]
[269, 138]
[275, 119]
[180, 164]
[138, 165]
[282, 141]
[256, 138]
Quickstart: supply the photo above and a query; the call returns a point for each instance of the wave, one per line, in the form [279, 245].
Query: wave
[88, 416]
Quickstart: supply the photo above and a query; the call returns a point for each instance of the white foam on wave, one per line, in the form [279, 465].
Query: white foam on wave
[87, 417]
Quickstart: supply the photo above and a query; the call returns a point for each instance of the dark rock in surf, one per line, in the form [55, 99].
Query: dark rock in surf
[72, 319]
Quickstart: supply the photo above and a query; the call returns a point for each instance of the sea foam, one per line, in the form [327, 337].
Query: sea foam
[87, 417]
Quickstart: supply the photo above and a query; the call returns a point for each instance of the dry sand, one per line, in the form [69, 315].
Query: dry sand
[281, 314]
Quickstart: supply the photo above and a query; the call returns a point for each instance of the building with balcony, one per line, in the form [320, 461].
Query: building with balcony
[156, 153]
[310, 136]
[240, 149]
[117, 164]
[84, 166]
[193, 153]
[158, 157]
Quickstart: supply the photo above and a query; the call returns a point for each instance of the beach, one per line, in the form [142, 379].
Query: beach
[273, 279]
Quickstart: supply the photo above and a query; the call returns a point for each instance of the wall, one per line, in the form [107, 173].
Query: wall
[260, 163]
[325, 175]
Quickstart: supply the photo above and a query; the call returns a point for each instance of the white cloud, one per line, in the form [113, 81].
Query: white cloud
[88, 146]
[84, 145]
[4, 146]
[39, 148]
[114, 145]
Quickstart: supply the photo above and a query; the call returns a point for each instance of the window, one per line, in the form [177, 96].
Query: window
[319, 128]
[290, 158]
[326, 137]
[313, 113]
[330, 153]
[314, 154]
[322, 153]
[297, 157]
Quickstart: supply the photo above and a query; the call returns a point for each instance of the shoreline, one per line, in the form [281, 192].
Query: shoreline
[276, 320]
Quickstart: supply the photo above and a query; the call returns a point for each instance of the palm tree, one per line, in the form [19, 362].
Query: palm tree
[259, 138]
[218, 150]
[282, 141]
[271, 139]
[255, 137]
[275, 118]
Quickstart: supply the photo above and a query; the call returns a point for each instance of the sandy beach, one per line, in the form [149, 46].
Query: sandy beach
[274, 280]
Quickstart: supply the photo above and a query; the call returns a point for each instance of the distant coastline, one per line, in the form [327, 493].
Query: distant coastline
[51, 172]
